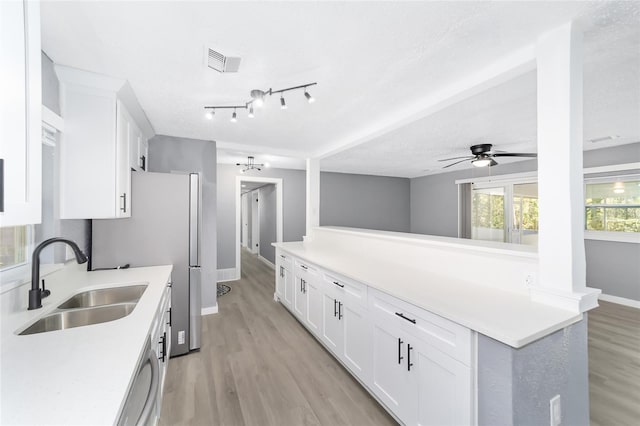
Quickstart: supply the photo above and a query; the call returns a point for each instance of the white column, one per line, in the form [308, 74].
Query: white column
[313, 194]
[562, 279]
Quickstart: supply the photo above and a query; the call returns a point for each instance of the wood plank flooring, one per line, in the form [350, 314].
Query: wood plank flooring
[259, 366]
[614, 365]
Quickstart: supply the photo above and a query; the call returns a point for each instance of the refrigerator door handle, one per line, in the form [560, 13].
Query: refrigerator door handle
[194, 219]
[195, 307]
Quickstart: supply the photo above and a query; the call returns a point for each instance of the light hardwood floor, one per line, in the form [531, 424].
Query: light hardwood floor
[614, 365]
[259, 366]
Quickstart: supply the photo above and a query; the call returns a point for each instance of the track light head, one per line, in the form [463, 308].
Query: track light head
[310, 98]
[209, 114]
[258, 97]
[283, 104]
[234, 116]
[251, 111]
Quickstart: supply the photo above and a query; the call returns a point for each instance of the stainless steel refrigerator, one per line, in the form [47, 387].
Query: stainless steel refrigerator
[164, 228]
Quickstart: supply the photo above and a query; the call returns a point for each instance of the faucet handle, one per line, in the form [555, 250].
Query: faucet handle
[44, 292]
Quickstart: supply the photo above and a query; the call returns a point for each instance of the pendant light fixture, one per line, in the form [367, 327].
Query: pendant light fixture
[251, 165]
[258, 100]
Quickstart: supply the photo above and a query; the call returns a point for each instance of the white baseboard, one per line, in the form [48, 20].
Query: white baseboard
[228, 274]
[209, 310]
[620, 300]
[267, 262]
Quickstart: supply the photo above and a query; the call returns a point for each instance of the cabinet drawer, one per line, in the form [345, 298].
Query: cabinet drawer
[285, 260]
[304, 270]
[348, 290]
[447, 336]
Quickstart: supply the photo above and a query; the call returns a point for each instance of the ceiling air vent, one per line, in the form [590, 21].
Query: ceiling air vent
[221, 63]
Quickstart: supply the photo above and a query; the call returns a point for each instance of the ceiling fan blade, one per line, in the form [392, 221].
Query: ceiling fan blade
[457, 158]
[514, 154]
[458, 162]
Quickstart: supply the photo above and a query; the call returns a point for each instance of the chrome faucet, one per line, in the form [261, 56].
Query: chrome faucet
[36, 293]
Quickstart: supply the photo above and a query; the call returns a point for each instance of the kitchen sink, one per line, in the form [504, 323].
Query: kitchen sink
[105, 296]
[80, 317]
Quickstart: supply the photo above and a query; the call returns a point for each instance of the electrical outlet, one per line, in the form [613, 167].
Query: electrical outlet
[181, 337]
[555, 411]
[529, 279]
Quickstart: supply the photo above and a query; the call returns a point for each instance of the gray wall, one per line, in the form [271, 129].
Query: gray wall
[364, 201]
[294, 201]
[434, 206]
[515, 385]
[168, 153]
[268, 222]
[78, 230]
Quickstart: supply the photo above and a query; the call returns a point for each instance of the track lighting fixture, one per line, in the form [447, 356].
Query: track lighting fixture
[251, 165]
[258, 99]
[310, 98]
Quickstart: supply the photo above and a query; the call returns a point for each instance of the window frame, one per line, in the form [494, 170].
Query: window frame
[622, 237]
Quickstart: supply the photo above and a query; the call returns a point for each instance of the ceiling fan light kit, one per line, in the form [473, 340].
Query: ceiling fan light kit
[258, 99]
[483, 156]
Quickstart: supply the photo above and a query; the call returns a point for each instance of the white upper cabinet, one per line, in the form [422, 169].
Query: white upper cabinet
[20, 119]
[99, 147]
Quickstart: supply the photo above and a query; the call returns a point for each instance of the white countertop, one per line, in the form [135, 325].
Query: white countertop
[77, 376]
[509, 317]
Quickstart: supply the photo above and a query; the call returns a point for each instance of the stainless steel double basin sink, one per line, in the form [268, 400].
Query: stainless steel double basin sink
[90, 307]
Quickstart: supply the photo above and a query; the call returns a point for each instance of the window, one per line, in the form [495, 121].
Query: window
[612, 206]
[14, 246]
[507, 212]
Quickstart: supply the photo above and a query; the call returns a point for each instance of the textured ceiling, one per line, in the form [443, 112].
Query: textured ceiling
[370, 59]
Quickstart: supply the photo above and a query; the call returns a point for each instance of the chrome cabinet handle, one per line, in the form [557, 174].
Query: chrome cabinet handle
[400, 357]
[339, 310]
[409, 363]
[338, 284]
[335, 308]
[124, 198]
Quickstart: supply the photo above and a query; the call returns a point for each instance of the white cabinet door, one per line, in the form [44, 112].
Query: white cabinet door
[20, 117]
[300, 297]
[288, 289]
[389, 380]
[124, 124]
[357, 343]
[314, 305]
[332, 330]
[134, 145]
[441, 388]
[280, 279]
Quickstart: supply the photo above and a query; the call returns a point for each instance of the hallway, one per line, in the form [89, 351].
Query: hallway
[259, 366]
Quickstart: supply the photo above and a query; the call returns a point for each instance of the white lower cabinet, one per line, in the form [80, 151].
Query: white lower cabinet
[314, 306]
[389, 379]
[284, 279]
[441, 388]
[417, 364]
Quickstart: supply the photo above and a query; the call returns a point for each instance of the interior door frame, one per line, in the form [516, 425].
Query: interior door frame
[238, 222]
[255, 221]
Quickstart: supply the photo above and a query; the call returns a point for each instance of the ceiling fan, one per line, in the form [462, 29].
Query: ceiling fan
[483, 156]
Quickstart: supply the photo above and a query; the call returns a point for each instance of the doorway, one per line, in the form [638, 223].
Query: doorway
[247, 223]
